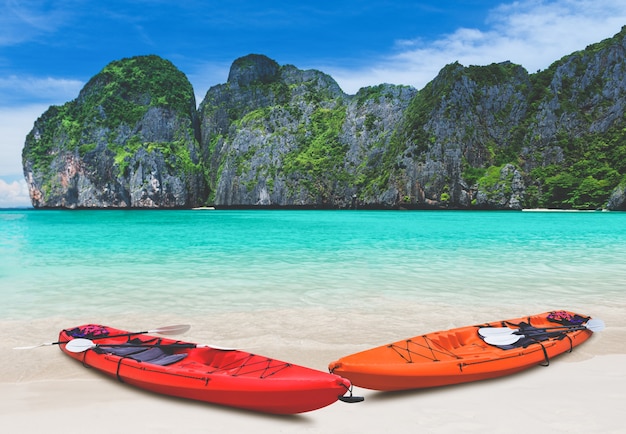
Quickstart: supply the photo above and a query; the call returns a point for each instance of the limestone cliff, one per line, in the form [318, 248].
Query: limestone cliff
[287, 137]
[475, 137]
[128, 140]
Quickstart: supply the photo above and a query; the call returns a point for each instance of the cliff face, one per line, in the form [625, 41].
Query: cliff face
[459, 126]
[286, 137]
[128, 140]
[478, 137]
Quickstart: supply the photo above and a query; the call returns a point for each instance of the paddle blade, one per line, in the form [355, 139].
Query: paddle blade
[496, 331]
[171, 330]
[502, 339]
[595, 325]
[79, 345]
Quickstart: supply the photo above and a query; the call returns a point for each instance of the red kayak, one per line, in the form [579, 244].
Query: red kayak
[205, 373]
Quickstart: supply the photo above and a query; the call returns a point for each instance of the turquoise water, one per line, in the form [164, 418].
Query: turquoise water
[61, 263]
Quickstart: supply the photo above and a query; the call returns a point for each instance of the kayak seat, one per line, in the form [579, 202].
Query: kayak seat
[121, 351]
[442, 342]
[154, 355]
[448, 341]
[228, 361]
[454, 341]
[217, 359]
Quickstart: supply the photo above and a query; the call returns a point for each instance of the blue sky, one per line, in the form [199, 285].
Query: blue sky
[50, 49]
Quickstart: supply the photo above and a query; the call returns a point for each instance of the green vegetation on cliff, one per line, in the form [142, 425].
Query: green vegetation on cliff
[594, 165]
[320, 155]
[125, 89]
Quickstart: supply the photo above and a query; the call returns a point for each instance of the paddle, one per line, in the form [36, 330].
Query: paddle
[514, 335]
[167, 330]
[79, 345]
[511, 339]
[594, 324]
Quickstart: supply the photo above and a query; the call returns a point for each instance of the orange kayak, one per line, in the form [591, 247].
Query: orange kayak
[212, 374]
[465, 354]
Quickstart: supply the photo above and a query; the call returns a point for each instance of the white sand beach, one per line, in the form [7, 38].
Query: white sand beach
[582, 397]
[44, 391]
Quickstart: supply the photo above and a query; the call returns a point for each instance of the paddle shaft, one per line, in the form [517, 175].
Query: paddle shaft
[549, 330]
[105, 337]
[181, 345]
[167, 330]
[80, 344]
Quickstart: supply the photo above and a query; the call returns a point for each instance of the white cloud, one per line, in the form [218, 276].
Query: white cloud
[22, 20]
[16, 119]
[45, 89]
[532, 33]
[14, 194]
[15, 124]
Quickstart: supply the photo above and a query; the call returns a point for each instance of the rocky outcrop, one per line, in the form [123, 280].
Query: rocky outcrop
[296, 139]
[477, 137]
[128, 141]
[455, 128]
[617, 200]
[490, 137]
